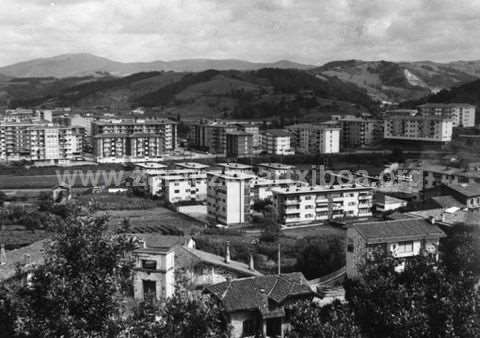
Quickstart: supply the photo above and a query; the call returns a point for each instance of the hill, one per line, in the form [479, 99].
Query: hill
[466, 93]
[74, 65]
[397, 82]
[244, 94]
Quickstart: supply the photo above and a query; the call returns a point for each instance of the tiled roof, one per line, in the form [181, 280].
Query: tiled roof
[254, 293]
[447, 202]
[469, 190]
[187, 257]
[17, 256]
[398, 230]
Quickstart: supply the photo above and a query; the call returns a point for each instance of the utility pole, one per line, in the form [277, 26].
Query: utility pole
[279, 261]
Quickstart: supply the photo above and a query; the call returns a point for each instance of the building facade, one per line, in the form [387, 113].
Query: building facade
[239, 144]
[276, 142]
[309, 138]
[409, 125]
[360, 132]
[462, 114]
[228, 197]
[321, 203]
[179, 188]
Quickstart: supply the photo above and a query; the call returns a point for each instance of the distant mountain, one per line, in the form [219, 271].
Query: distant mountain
[397, 82]
[73, 65]
[260, 93]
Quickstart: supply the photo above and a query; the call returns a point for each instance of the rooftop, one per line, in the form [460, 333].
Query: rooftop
[255, 293]
[280, 166]
[192, 165]
[466, 189]
[232, 175]
[17, 256]
[447, 202]
[133, 122]
[318, 189]
[277, 132]
[234, 166]
[187, 257]
[445, 105]
[398, 230]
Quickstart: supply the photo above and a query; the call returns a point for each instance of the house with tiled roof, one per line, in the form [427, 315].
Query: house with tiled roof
[467, 195]
[256, 305]
[399, 238]
[161, 260]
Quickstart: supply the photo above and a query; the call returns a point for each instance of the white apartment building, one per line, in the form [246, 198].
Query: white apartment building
[155, 180]
[309, 138]
[409, 125]
[402, 239]
[276, 142]
[228, 197]
[321, 203]
[261, 188]
[462, 114]
[235, 167]
[275, 170]
[179, 188]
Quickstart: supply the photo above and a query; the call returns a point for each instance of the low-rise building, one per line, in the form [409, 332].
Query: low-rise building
[384, 202]
[401, 239]
[155, 179]
[276, 142]
[256, 306]
[466, 194]
[261, 188]
[154, 273]
[228, 197]
[435, 175]
[321, 203]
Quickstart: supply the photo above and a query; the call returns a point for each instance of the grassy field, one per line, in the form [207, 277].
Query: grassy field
[314, 231]
[14, 237]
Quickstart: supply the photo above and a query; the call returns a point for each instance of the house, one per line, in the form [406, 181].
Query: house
[195, 267]
[465, 194]
[402, 238]
[256, 305]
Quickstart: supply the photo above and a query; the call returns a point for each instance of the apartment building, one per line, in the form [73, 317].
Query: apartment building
[212, 135]
[276, 142]
[402, 239]
[133, 139]
[155, 181]
[39, 141]
[26, 115]
[410, 125]
[321, 203]
[239, 144]
[359, 131]
[228, 197]
[192, 165]
[261, 188]
[275, 170]
[235, 167]
[180, 188]
[462, 114]
[309, 138]
[436, 174]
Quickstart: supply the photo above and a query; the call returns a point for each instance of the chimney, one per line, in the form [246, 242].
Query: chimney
[251, 265]
[27, 259]
[227, 252]
[3, 255]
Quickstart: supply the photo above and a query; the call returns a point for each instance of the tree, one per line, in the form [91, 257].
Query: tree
[461, 249]
[74, 294]
[185, 315]
[308, 320]
[422, 301]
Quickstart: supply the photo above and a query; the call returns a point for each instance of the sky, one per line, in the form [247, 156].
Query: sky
[307, 31]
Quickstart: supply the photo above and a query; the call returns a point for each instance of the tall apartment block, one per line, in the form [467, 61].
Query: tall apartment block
[462, 114]
[410, 125]
[309, 138]
[212, 135]
[321, 203]
[133, 139]
[39, 141]
[276, 142]
[239, 144]
[359, 131]
[228, 197]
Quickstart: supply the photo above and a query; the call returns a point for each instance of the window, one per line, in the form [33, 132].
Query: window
[176, 191]
[405, 247]
[250, 328]
[350, 245]
[149, 264]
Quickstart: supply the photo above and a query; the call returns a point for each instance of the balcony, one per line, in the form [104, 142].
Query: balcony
[292, 202]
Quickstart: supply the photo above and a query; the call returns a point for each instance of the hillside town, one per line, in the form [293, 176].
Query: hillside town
[188, 188]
